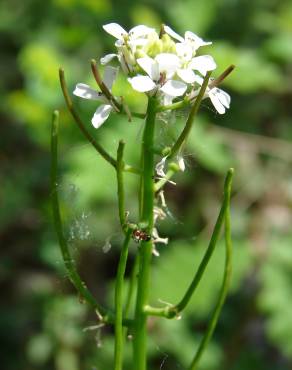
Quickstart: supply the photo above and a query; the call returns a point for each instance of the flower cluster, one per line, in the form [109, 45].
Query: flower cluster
[165, 65]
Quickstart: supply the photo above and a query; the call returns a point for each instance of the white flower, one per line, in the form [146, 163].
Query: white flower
[203, 63]
[171, 69]
[160, 71]
[219, 98]
[127, 43]
[134, 36]
[186, 51]
[86, 92]
[191, 39]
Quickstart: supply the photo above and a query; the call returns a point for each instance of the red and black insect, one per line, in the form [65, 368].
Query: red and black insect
[139, 235]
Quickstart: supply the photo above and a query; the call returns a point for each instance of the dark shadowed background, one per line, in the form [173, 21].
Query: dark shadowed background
[42, 321]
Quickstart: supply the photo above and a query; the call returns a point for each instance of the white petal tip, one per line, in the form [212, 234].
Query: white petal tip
[101, 115]
[142, 83]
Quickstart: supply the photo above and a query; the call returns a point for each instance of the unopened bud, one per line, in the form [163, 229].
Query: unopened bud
[173, 166]
[166, 151]
[140, 53]
[168, 45]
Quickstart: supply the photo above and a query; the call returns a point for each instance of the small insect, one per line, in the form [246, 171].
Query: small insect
[139, 235]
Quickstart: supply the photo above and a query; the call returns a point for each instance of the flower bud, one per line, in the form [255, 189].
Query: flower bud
[140, 53]
[128, 55]
[173, 166]
[155, 48]
[166, 151]
[168, 45]
[154, 45]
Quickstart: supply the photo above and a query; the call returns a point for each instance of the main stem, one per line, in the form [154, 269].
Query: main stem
[119, 332]
[145, 250]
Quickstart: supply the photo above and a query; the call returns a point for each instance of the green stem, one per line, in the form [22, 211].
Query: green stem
[79, 122]
[185, 133]
[160, 312]
[120, 181]
[137, 115]
[132, 284]
[68, 261]
[119, 337]
[186, 102]
[106, 92]
[131, 291]
[172, 169]
[119, 107]
[83, 129]
[145, 250]
[211, 247]
[141, 184]
[217, 81]
[172, 311]
[225, 283]
[178, 105]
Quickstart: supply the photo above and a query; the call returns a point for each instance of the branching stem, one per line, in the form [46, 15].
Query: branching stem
[83, 129]
[225, 283]
[173, 311]
[194, 110]
[120, 182]
[172, 169]
[79, 122]
[104, 89]
[68, 261]
[145, 250]
[209, 252]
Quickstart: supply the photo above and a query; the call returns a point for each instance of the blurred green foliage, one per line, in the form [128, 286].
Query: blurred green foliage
[42, 320]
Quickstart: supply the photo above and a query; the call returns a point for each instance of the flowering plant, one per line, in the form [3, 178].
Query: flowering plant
[167, 68]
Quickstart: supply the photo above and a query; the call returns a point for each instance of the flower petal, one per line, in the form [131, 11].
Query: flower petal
[199, 80]
[203, 64]
[187, 75]
[119, 43]
[173, 34]
[184, 51]
[101, 115]
[109, 76]
[115, 30]
[174, 88]
[150, 66]
[168, 63]
[107, 58]
[133, 43]
[142, 83]
[195, 40]
[181, 163]
[216, 102]
[159, 168]
[223, 97]
[140, 31]
[167, 99]
[125, 67]
[86, 92]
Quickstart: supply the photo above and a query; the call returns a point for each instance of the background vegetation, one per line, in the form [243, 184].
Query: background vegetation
[42, 321]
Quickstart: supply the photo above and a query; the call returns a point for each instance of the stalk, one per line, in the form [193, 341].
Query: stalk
[119, 292]
[67, 258]
[145, 250]
[226, 279]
